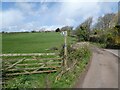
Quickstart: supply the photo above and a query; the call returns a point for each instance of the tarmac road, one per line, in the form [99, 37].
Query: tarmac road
[113, 51]
[103, 71]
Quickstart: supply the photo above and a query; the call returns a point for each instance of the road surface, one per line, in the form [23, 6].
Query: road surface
[115, 52]
[103, 71]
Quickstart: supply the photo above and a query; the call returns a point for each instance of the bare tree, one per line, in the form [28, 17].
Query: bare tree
[105, 21]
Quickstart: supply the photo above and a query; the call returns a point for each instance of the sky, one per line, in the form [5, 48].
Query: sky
[28, 16]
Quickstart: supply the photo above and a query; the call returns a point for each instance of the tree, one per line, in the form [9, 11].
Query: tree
[109, 29]
[33, 31]
[57, 30]
[83, 30]
[3, 31]
[104, 22]
[104, 25]
[114, 21]
[68, 29]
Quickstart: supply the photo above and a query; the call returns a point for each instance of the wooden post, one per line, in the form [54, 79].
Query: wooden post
[65, 49]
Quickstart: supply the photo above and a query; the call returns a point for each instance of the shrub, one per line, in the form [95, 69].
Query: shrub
[75, 54]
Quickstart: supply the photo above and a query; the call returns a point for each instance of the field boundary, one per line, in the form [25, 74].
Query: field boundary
[29, 54]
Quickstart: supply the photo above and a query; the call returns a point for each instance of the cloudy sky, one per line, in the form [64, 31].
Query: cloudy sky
[27, 16]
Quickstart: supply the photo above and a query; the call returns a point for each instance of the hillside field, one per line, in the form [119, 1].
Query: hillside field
[31, 42]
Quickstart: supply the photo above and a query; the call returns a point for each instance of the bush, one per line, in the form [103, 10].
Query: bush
[75, 54]
[94, 38]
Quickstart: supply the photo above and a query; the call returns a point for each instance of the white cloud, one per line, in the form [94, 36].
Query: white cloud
[30, 16]
[52, 27]
[26, 8]
[43, 9]
[11, 17]
[70, 12]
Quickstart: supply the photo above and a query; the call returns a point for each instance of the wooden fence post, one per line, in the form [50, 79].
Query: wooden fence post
[65, 49]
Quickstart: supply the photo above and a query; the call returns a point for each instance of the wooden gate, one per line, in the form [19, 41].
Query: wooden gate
[31, 65]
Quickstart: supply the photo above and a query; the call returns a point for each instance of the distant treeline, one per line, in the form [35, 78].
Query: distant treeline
[28, 32]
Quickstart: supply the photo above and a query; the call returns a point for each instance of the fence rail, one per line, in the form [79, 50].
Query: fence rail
[37, 72]
[33, 68]
[29, 54]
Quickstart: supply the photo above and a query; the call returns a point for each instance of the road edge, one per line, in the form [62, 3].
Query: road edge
[118, 65]
[79, 82]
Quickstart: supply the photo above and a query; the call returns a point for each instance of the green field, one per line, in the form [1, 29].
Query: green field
[31, 42]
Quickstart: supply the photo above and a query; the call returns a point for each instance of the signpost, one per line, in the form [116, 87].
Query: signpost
[64, 33]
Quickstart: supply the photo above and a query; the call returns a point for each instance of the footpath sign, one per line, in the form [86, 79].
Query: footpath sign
[64, 33]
